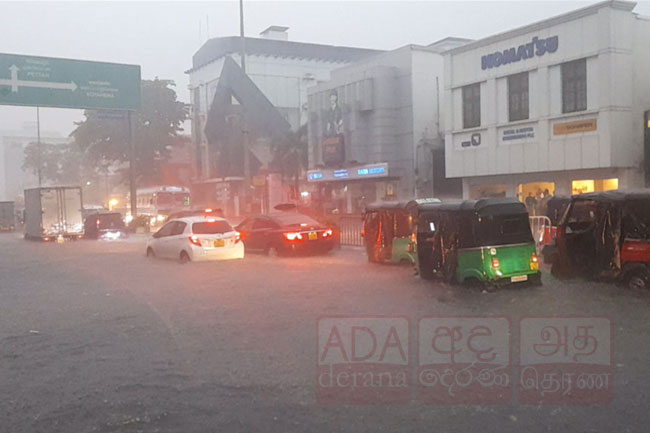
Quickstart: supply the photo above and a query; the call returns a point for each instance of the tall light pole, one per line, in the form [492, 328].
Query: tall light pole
[241, 35]
[244, 123]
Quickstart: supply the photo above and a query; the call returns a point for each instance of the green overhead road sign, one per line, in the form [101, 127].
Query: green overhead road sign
[52, 82]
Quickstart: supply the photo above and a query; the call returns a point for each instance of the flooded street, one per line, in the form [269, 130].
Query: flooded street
[96, 337]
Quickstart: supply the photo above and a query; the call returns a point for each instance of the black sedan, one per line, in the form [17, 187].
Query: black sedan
[284, 233]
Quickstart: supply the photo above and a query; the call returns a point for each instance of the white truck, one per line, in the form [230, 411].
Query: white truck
[53, 213]
[7, 216]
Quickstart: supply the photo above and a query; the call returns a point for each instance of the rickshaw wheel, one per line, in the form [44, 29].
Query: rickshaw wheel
[637, 279]
[426, 274]
[476, 284]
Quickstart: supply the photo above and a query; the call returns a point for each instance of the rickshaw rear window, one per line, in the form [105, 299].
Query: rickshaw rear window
[503, 230]
[582, 212]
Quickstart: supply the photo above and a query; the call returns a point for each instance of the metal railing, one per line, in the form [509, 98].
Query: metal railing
[350, 230]
[540, 226]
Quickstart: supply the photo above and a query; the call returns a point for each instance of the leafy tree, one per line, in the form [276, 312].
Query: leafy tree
[60, 163]
[290, 155]
[104, 136]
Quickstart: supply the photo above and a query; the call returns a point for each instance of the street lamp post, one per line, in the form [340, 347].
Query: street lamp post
[244, 125]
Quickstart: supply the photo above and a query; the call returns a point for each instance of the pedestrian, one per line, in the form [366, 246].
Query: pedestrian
[531, 203]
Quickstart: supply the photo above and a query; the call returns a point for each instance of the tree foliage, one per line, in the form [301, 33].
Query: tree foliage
[104, 136]
[290, 153]
[61, 163]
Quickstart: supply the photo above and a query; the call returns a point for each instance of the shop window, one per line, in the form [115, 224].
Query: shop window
[574, 86]
[518, 97]
[597, 185]
[472, 105]
[606, 184]
[582, 186]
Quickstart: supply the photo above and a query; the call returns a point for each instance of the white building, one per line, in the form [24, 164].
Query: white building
[281, 69]
[388, 133]
[556, 105]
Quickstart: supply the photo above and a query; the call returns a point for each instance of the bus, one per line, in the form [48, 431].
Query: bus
[159, 201]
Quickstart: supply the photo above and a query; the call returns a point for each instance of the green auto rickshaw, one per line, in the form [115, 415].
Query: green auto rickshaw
[479, 242]
[387, 231]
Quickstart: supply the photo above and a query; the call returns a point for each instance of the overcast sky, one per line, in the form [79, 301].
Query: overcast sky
[163, 36]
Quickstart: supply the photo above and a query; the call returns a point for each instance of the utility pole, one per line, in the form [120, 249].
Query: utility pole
[241, 35]
[244, 123]
[132, 185]
[38, 144]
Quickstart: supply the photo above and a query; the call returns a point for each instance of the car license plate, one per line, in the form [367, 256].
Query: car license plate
[219, 243]
[313, 236]
[519, 278]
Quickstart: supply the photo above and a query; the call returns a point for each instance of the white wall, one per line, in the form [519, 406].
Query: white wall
[616, 45]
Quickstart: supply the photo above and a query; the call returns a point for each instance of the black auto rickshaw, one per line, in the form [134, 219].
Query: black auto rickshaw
[606, 235]
[481, 242]
[387, 230]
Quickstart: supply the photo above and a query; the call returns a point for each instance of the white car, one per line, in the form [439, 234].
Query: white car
[196, 238]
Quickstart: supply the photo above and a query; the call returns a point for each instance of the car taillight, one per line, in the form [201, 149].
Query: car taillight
[327, 233]
[237, 237]
[195, 240]
[292, 236]
[495, 263]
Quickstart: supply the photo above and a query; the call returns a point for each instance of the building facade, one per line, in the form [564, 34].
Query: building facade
[560, 105]
[375, 129]
[281, 69]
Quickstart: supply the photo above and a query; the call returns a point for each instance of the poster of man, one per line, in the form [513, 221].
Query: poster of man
[333, 117]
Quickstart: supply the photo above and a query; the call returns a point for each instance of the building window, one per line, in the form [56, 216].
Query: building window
[472, 105]
[574, 86]
[518, 97]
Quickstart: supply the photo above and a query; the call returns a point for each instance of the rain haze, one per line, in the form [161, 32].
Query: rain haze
[163, 36]
[363, 216]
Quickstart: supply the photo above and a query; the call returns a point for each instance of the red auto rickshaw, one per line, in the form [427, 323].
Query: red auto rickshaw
[606, 235]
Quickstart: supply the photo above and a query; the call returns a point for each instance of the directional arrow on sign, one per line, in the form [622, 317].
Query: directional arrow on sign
[15, 83]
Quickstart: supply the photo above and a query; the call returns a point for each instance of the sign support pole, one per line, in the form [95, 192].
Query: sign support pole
[132, 185]
[38, 144]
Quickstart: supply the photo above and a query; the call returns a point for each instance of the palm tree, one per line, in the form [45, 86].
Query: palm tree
[290, 156]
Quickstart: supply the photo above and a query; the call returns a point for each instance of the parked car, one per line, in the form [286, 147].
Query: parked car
[106, 226]
[196, 238]
[284, 233]
[606, 235]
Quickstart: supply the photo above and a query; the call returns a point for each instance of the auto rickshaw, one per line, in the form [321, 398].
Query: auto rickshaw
[387, 229]
[606, 235]
[484, 242]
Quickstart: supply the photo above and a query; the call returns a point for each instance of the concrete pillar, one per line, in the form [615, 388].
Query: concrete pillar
[563, 187]
[466, 185]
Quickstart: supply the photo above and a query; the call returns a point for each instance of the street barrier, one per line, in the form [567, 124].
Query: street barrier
[541, 228]
[350, 227]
